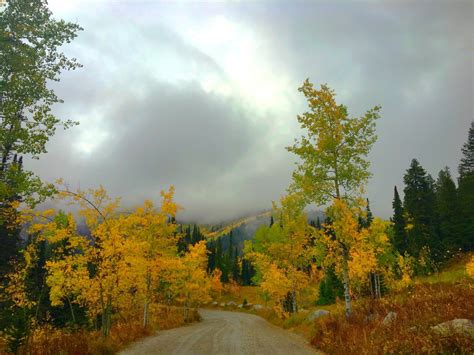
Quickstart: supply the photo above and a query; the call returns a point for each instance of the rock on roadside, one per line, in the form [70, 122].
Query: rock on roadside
[455, 326]
[316, 314]
[389, 318]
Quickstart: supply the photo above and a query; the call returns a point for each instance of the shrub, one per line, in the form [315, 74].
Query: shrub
[417, 311]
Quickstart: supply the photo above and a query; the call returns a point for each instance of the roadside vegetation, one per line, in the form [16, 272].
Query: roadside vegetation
[429, 301]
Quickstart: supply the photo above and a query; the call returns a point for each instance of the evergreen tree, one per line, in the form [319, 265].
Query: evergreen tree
[370, 216]
[399, 233]
[211, 256]
[419, 204]
[466, 193]
[366, 221]
[247, 273]
[447, 210]
[229, 257]
[330, 288]
[466, 167]
[236, 267]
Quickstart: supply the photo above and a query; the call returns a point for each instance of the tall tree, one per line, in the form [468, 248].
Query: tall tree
[466, 192]
[366, 218]
[447, 210]
[30, 58]
[333, 155]
[419, 205]
[466, 167]
[30, 39]
[280, 254]
[399, 232]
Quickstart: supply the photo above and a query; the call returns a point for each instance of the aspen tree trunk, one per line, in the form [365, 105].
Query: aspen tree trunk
[345, 266]
[347, 295]
[72, 310]
[146, 308]
[294, 306]
[377, 285]
[372, 285]
[186, 311]
[107, 318]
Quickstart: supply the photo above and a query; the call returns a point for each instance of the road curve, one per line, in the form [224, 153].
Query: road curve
[222, 333]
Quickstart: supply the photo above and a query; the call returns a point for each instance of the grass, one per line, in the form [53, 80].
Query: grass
[48, 340]
[453, 272]
[432, 299]
[418, 309]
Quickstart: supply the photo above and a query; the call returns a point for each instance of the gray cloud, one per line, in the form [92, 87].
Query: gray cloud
[148, 119]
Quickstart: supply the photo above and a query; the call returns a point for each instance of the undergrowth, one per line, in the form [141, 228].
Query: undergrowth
[47, 340]
[418, 309]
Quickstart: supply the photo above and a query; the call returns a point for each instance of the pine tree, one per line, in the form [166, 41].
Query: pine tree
[218, 259]
[230, 257]
[399, 235]
[247, 272]
[211, 256]
[370, 216]
[236, 267]
[419, 204]
[466, 193]
[447, 210]
[330, 288]
[365, 221]
[466, 167]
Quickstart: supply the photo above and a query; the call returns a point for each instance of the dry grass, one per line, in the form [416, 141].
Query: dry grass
[434, 299]
[417, 310]
[49, 341]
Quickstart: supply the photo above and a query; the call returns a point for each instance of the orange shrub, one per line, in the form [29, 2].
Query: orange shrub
[47, 340]
[417, 311]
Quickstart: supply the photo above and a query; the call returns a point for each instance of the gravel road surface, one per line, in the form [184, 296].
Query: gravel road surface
[223, 333]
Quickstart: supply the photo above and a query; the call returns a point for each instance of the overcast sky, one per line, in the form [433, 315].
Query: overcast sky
[203, 95]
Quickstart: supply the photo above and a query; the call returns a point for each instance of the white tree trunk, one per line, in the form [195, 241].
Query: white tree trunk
[347, 293]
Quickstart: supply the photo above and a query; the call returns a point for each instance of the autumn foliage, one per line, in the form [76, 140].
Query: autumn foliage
[422, 307]
[127, 263]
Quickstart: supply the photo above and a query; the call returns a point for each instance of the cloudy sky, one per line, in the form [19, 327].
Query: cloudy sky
[203, 95]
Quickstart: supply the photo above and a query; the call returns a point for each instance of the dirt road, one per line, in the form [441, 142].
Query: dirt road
[223, 333]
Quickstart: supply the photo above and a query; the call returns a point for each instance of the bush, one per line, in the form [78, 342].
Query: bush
[50, 340]
[417, 311]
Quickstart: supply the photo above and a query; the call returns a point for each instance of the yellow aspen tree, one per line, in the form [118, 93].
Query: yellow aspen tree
[187, 276]
[98, 287]
[280, 253]
[118, 265]
[333, 156]
[153, 237]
